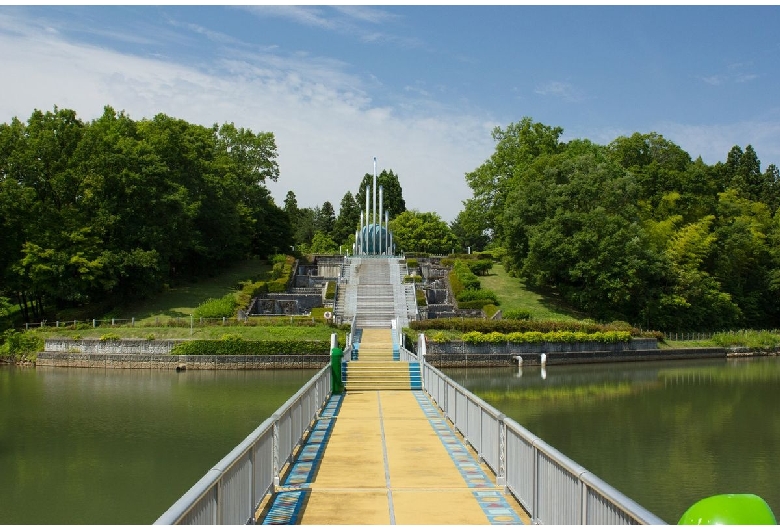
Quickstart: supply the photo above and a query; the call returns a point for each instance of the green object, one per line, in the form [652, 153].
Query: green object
[732, 508]
[336, 384]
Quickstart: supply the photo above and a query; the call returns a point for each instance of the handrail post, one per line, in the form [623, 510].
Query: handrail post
[501, 475]
[276, 451]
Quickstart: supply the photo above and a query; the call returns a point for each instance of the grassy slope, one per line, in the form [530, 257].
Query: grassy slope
[513, 294]
[181, 301]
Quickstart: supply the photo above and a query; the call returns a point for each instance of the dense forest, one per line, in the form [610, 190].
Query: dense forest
[114, 208]
[635, 230]
[96, 212]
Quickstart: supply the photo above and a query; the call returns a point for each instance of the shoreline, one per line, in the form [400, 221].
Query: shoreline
[439, 360]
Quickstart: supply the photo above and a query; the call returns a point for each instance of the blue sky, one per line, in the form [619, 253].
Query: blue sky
[419, 87]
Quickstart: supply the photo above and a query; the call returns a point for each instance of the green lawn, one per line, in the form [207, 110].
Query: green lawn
[514, 294]
[247, 332]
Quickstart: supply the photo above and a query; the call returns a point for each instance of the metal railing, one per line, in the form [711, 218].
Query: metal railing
[551, 487]
[232, 490]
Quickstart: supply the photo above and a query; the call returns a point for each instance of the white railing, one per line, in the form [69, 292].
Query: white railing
[232, 490]
[551, 487]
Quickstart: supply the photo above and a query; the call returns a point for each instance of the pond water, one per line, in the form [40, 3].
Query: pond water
[665, 433]
[92, 446]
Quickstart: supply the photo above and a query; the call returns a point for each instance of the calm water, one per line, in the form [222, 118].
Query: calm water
[82, 446]
[666, 434]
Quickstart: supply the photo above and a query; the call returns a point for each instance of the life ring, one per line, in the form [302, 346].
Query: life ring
[328, 315]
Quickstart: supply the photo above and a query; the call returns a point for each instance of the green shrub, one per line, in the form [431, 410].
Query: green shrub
[330, 291]
[411, 263]
[421, 300]
[536, 337]
[232, 345]
[411, 278]
[516, 314]
[508, 326]
[475, 304]
[217, 307]
[480, 267]
[21, 345]
[477, 294]
[490, 310]
[109, 337]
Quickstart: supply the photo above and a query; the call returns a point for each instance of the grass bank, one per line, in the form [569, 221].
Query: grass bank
[514, 294]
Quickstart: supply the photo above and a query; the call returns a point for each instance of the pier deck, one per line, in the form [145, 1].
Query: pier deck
[382, 457]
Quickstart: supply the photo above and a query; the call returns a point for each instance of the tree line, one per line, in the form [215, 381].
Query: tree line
[116, 208]
[634, 230]
[96, 213]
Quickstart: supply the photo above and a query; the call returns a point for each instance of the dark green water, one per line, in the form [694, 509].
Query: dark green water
[82, 446]
[666, 434]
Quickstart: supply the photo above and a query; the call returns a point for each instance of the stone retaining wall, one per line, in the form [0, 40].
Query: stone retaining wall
[172, 362]
[160, 347]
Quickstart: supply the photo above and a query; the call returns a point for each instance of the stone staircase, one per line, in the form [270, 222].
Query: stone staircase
[372, 290]
[375, 368]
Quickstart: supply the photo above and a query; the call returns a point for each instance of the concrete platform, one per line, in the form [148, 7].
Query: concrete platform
[388, 457]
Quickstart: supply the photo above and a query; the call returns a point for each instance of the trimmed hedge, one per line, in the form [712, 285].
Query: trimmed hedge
[476, 304]
[421, 300]
[477, 294]
[536, 337]
[330, 291]
[516, 314]
[509, 326]
[239, 346]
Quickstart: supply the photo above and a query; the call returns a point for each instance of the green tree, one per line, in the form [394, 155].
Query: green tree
[326, 219]
[415, 231]
[323, 244]
[517, 146]
[348, 219]
[470, 228]
[392, 193]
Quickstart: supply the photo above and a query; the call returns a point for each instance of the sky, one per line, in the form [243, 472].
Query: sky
[418, 87]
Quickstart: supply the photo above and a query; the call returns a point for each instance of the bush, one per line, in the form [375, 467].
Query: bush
[475, 304]
[110, 337]
[508, 326]
[411, 278]
[21, 345]
[516, 314]
[480, 267]
[536, 337]
[421, 300]
[233, 345]
[411, 263]
[217, 307]
[330, 291]
[490, 310]
[477, 294]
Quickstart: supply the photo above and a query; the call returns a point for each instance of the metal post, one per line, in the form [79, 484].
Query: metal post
[368, 194]
[373, 219]
[379, 234]
[387, 232]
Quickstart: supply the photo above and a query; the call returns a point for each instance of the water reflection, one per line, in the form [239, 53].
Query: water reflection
[665, 433]
[92, 446]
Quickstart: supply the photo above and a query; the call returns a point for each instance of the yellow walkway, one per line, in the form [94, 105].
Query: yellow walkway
[382, 457]
[388, 457]
[384, 464]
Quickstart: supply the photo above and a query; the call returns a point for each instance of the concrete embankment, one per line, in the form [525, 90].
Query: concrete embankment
[155, 354]
[180, 362]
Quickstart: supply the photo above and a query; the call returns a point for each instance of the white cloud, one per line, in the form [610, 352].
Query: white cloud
[713, 142]
[327, 128]
[559, 89]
